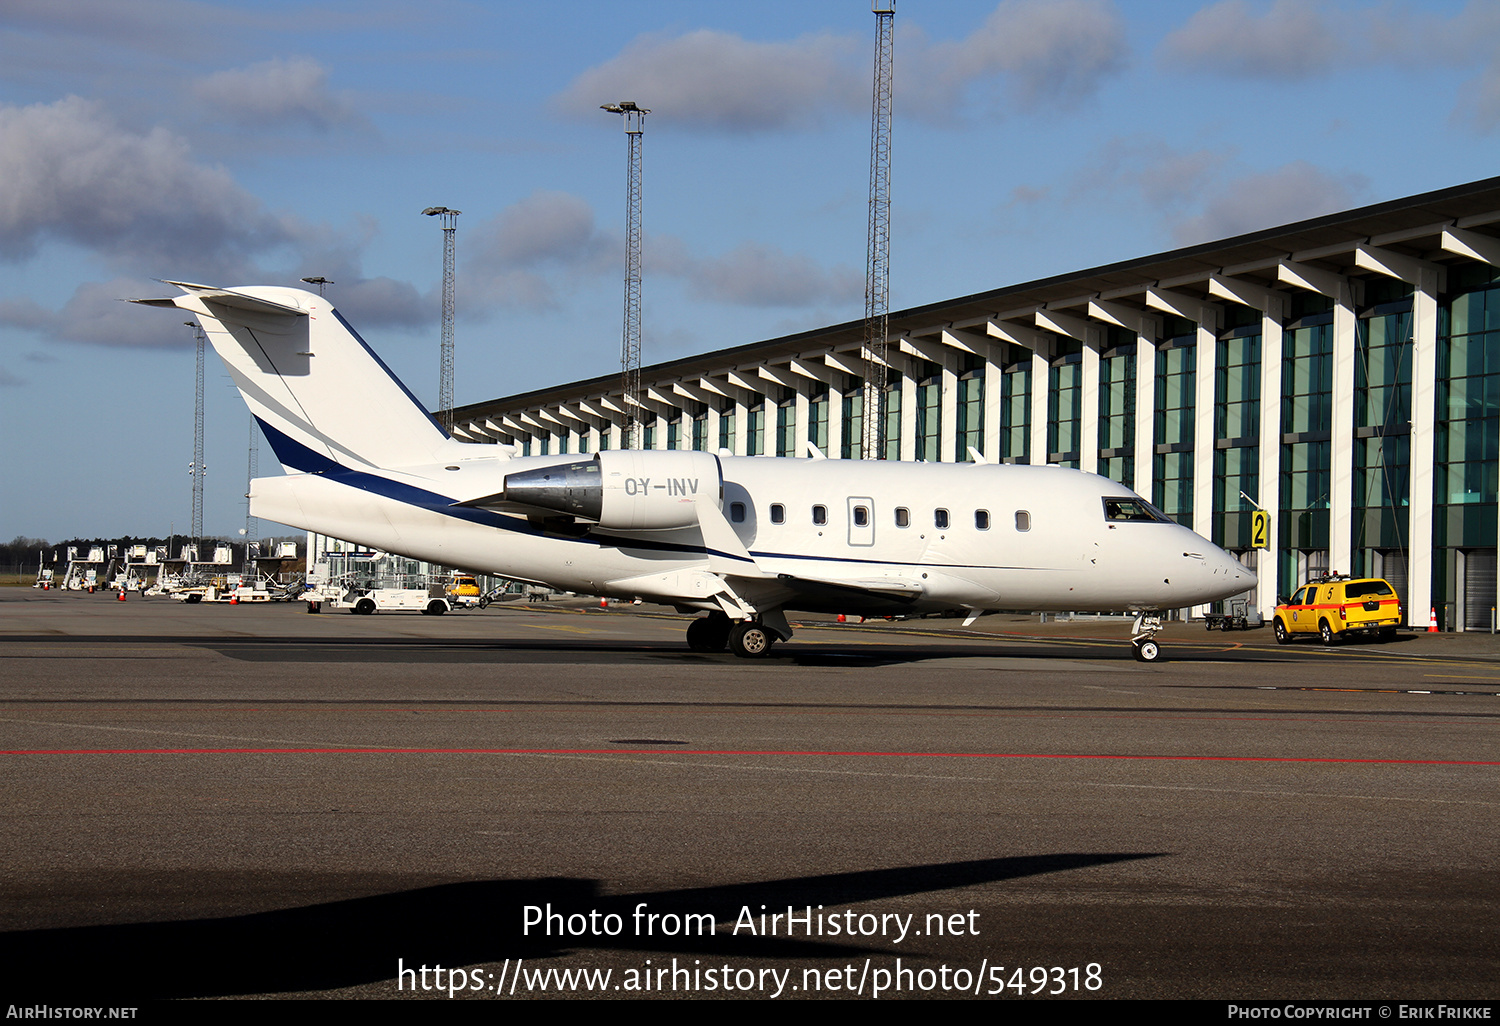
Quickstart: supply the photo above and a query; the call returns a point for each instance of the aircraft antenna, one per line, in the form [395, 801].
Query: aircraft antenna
[630, 337]
[878, 247]
[196, 469]
[445, 357]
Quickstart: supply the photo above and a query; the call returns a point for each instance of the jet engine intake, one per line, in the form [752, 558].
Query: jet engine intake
[624, 489]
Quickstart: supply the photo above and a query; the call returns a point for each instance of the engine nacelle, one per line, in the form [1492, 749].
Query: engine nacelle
[624, 489]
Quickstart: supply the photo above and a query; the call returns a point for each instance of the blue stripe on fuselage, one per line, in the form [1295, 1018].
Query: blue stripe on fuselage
[296, 456]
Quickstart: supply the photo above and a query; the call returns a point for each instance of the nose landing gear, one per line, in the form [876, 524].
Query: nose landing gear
[1143, 637]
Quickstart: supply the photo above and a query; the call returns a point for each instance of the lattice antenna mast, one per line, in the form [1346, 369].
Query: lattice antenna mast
[196, 469]
[445, 358]
[878, 245]
[630, 338]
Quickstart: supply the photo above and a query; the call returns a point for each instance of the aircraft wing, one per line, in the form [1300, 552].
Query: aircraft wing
[883, 587]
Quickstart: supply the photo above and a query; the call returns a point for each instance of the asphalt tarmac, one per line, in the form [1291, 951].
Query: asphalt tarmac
[216, 801]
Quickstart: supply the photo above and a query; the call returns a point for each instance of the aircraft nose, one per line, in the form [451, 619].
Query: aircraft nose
[1223, 569]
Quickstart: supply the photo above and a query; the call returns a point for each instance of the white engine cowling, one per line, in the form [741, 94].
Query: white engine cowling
[624, 489]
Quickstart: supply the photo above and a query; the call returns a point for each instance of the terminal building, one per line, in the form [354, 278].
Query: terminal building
[1341, 373]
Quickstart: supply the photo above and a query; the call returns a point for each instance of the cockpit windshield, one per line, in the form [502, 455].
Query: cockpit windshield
[1117, 510]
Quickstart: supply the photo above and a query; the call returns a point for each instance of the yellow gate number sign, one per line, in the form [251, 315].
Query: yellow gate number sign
[1260, 529]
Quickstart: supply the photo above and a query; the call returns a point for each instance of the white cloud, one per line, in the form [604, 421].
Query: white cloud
[71, 173]
[536, 249]
[1050, 53]
[1291, 39]
[754, 274]
[541, 248]
[277, 93]
[1046, 53]
[1292, 192]
[717, 80]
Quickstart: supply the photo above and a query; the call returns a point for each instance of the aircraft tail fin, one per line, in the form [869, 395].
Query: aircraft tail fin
[320, 393]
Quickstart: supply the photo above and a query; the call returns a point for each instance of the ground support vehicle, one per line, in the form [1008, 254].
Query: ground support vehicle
[1236, 617]
[1335, 608]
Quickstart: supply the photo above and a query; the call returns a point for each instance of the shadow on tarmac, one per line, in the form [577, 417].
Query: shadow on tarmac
[353, 942]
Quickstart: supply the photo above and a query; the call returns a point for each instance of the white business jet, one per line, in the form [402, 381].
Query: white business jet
[744, 539]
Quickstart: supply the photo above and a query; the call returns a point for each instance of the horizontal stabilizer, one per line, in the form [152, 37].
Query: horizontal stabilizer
[320, 393]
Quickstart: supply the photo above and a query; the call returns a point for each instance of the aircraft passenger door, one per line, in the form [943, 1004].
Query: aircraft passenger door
[861, 521]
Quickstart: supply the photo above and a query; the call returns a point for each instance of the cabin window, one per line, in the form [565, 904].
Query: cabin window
[820, 515]
[981, 520]
[903, 516]
[940, 519]
[861, 516]
[737, 512]
[1023, 520]
[778, 513]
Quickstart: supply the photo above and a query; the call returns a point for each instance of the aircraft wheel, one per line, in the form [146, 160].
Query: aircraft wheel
[704, 635]
[364, 607]
[1279, 629]
[1325, 631]
[750, 640]
[1148, 651]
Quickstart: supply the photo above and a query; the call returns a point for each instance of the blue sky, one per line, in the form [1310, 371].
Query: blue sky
[257, 142]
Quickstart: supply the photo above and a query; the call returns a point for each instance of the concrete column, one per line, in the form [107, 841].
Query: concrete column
[1041, 388]
[992, 390]
[1423, 438]
[908, 417]
[1205, 375]
[1088, 421]
[1341, 444]
[948, 450]
[800, 435]
[1269, 469]
[1145, 414]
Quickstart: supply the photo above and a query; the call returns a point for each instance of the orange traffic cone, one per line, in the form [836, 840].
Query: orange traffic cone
[603, 603]
[843, 618]
[234, 598]
[1432, 621]
[122, 594]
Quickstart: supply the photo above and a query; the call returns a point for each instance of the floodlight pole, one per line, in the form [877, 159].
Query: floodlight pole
[630, 339]
[445, 359]
[878, 245]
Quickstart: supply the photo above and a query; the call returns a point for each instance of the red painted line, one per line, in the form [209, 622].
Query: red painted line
[679, 751]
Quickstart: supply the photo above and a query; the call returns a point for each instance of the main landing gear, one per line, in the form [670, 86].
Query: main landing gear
[709, 633]
[1143, 637]
[748, 639]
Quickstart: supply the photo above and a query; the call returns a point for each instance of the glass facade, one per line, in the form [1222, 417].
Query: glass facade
[854, 423]
[1236, 434]
[970, 414]
[1015, 411]
[893, 418]
[1306, 428]
[755, 435]
[930, 413]
[1065, 409]
[786, 428]
[1172, 485]
[817, 420]
[1382, 430]
[726, 427]
[1117, 409]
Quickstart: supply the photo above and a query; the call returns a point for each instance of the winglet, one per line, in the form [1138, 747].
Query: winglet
[977, 456]
[814, 453]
